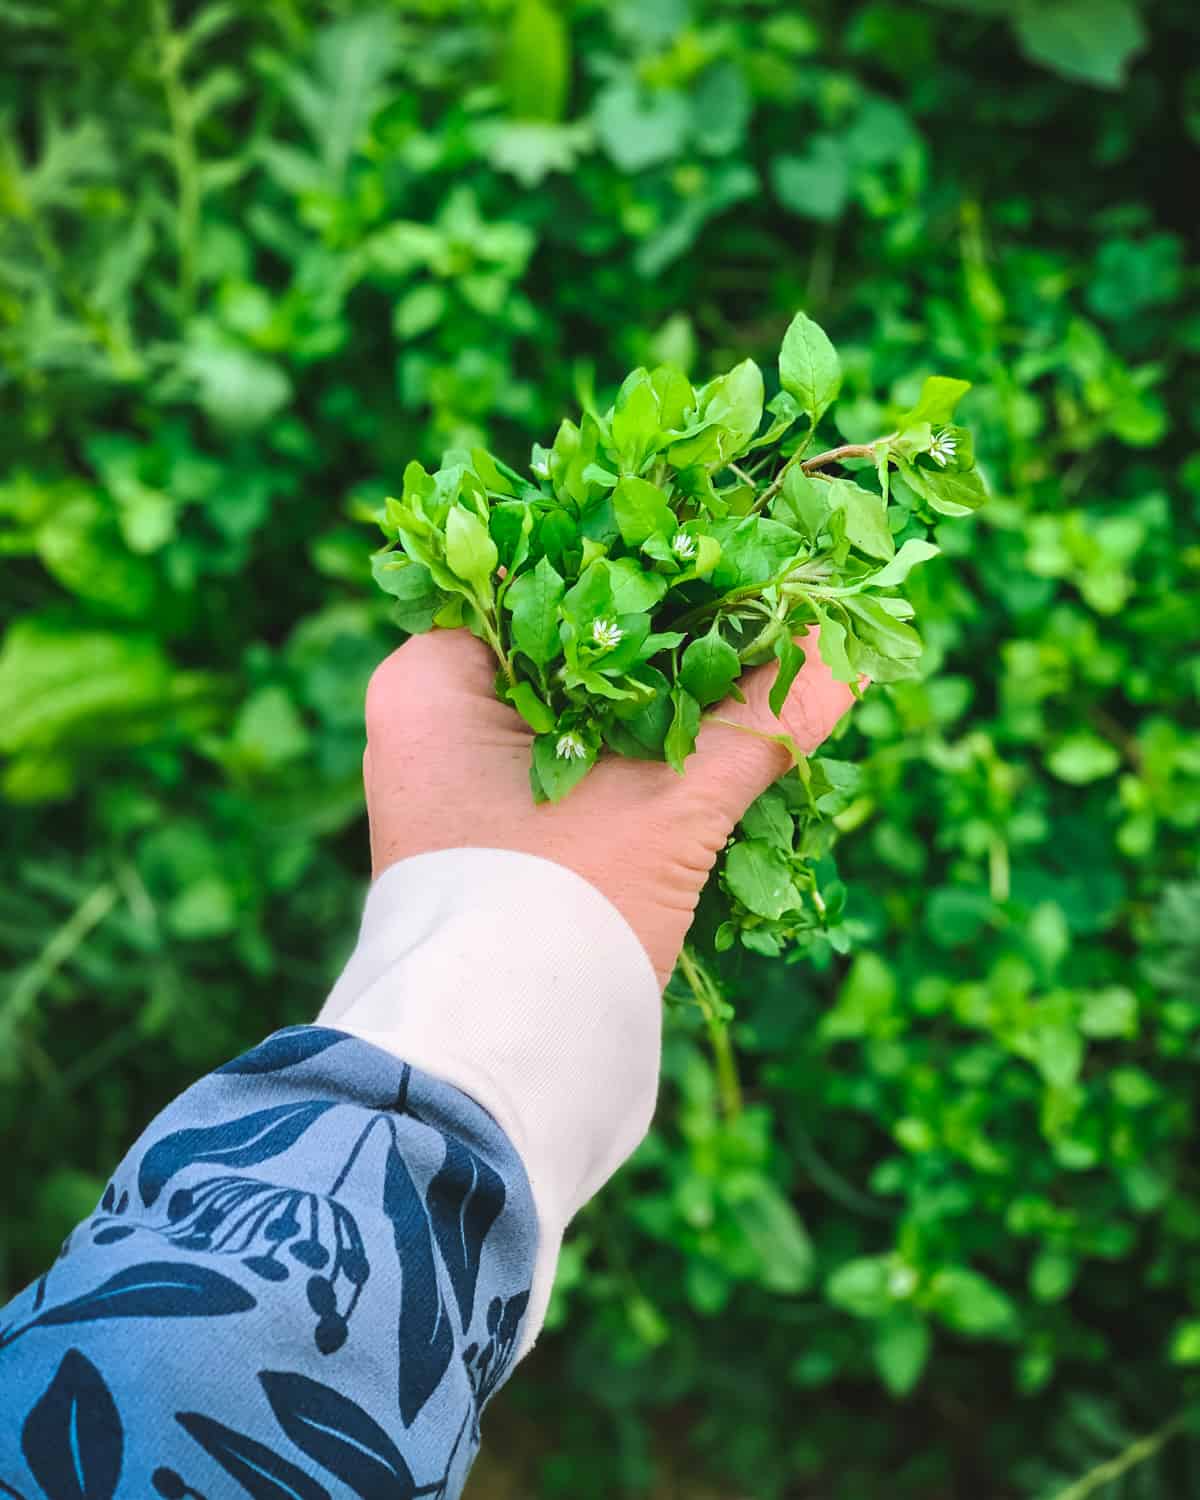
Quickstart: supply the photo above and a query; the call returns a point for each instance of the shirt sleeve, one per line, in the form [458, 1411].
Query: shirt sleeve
[315, 1267]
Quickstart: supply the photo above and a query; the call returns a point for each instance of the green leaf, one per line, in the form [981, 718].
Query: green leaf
[1110, 1012]
[768, 818]
[411, 584]
[913, 552]
[709, 667]
[832, 645]
[878, 628]
[470, 551]
[1083, 757]
[534, 600]
[1092, 40]
[642, 511]
[968, 1303]
[531, 708]
[791, 659]
[901, 1349]
[537, 61]
[936, 403]
[950, 492]
[635, 421]
[774, 1231]
[809, 369]
[633, 588]
[862, 1286]
[761, 878]
[817, 184]
[866, 517]
[559, 774]
[680, 738]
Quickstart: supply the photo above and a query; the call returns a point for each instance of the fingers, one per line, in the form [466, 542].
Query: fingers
[735, 766]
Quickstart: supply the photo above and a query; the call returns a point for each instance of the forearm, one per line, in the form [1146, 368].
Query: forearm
[319, 1262]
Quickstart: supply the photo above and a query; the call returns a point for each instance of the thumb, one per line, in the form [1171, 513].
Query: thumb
[733, 767]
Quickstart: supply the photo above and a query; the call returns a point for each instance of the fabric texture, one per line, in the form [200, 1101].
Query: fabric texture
[305, 1280]
[517, 981]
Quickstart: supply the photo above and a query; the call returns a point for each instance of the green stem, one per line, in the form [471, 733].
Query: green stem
[183, 147]
[729, 1089]
[1136, 1453]
[492, 632]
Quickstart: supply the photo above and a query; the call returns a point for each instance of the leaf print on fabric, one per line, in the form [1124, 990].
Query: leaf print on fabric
[488, 1363]
[285, 1049]
[260, 1471]
[72, 1439]
[464, 1201]
[272, 1229]
[336, 1433]
[157, 1289]
[243, 1142]
[426, 1338]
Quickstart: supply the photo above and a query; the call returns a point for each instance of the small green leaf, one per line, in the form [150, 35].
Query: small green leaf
[768, 818]
[936, 403]
[791, 659]
[1092, 40]
[633, 588]
[832, 646]
[680, 738]
[862, 1286]
[635, 421]
[1083, 757]
[949, 492]
[809, 369]
[560, 774]
[866, 517]
[642, 511]
[968, 1303]
[901, 1349]
[913, 551]
[470, 551]
[534, 600]
[760, 877]
[411, 584]
[531, 708]
[709, 668]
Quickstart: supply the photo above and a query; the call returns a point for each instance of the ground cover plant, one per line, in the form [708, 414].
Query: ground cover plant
[256, 258]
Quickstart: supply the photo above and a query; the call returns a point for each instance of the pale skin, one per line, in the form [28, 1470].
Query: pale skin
[447, 766]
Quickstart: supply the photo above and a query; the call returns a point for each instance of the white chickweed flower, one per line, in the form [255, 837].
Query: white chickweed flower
[683, 546]
[943, 448]
[606, 633]
[570, 747]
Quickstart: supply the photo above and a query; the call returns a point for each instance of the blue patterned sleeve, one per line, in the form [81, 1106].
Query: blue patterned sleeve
[304, 1282]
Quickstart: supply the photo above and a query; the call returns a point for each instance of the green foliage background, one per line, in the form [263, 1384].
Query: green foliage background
[253, 258]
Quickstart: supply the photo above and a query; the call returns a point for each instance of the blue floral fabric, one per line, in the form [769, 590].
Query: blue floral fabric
[303, 1283]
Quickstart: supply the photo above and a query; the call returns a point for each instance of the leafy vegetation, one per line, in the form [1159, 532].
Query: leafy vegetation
[254, 259]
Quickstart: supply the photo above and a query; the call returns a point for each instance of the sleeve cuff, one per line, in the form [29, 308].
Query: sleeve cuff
[513, 979]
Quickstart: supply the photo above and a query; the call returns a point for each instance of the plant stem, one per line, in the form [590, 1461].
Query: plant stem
[183, 150]
[1136, 1453]
[819, 461]
[729, 1089]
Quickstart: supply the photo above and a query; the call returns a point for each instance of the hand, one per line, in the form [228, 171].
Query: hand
[447, 766]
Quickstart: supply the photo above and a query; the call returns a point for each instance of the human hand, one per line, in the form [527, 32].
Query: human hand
[447, 766]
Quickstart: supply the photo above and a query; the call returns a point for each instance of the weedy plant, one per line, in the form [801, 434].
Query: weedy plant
[660, 549]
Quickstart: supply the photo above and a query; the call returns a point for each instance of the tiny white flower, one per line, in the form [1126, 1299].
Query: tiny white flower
[606, 633]
[683, 546]
[570, 747]
[541, 468]
[943, 448]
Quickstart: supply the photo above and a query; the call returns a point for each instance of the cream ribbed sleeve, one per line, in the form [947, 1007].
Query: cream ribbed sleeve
[515, 980]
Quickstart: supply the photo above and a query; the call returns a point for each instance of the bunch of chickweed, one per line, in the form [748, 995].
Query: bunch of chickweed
[657, 550]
